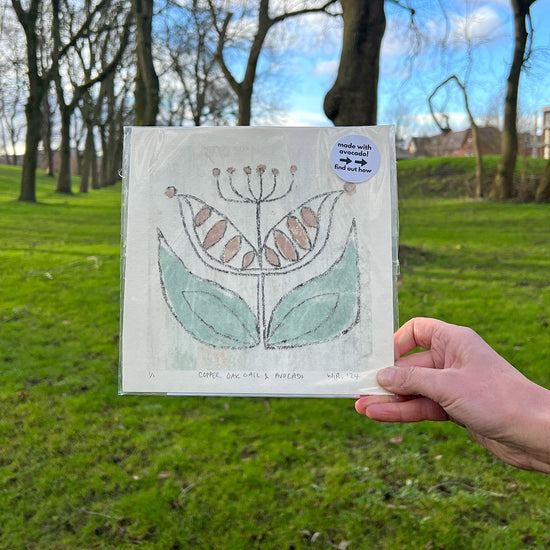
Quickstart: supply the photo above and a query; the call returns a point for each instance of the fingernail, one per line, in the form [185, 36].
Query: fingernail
[385, 377]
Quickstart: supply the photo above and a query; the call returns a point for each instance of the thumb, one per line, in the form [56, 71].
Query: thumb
[413, 381]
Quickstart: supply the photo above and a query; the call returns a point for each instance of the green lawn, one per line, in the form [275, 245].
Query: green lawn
[81, 467]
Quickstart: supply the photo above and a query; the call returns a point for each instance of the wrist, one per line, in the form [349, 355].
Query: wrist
[533, 433]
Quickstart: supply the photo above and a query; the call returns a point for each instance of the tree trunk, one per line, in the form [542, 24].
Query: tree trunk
[95, 171]
[352, 100]
[245, 107]
[543, 189]
[478, 193]
[33, 107]
[87, 159]
[147, 82]
[503, 184]
[64, 174]
[47, 135]
[104, 157]
[33, 113]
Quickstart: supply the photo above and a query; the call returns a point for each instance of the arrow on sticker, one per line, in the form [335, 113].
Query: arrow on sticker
[361, 162]
[346, 160]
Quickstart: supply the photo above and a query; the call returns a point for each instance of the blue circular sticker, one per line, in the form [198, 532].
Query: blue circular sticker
[355, 158]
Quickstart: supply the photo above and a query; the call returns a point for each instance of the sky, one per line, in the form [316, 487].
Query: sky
[406, 81]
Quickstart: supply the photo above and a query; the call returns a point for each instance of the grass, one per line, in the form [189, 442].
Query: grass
[454, 177]
[82, 467]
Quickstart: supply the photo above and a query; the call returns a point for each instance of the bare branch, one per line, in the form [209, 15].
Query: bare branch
[304, 11]
[399, 4]
[445, 128]
[82, 32]
[222, 35]
[530, 33]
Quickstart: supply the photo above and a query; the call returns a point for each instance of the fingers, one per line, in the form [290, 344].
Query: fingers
[420, 359]
[415, 333]
[412, 410]
[367, 400]
[414, 380]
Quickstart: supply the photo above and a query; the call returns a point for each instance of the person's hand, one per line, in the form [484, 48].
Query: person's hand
[461, 378]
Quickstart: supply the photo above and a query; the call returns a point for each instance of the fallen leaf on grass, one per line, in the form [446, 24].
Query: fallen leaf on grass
[396, 440]
[164, 475]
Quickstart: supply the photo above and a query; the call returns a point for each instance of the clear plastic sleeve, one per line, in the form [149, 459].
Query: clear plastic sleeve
[258, 261]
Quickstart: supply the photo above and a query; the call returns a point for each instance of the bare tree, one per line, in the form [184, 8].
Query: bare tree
[264, 22]
[503, 184]
[116, 112]
[199, 91]
[12, 87]
[47, 130]
[353, 96]
[11, 100]
[88, 169]
[146, 100]
[36, 22]
[103, 41]
[478, 193]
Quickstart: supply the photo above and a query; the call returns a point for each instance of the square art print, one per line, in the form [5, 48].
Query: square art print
[258, 261]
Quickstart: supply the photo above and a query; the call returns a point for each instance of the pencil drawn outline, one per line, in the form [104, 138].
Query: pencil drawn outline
[296, 240]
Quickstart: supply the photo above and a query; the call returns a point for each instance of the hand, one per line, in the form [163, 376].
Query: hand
[459, 377]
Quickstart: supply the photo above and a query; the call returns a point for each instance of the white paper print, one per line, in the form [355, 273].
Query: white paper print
[250, 268]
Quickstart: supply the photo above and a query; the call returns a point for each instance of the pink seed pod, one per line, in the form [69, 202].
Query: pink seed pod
[271, 257]
[247, 170]
[293, 169]
[216, 172]
[232, 246]
[248, 258]
[261, 168]
[298, 233]
[170, 192]
[202, 215]
[231, 170]
[284, 246]
[275, 171]
[215, 234]
[309, 217]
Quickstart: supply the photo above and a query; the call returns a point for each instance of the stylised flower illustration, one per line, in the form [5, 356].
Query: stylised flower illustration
[293, 242]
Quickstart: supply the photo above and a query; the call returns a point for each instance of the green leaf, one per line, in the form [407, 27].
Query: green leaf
[322, 308]
[210, 313]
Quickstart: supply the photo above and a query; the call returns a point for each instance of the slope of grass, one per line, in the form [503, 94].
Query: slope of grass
[82, 467]
[454, 177]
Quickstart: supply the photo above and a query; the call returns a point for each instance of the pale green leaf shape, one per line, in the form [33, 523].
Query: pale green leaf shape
[322, 308]
[210, 313]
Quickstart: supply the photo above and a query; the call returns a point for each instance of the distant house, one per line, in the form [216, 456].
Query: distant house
[544, 146]
[456, 144]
